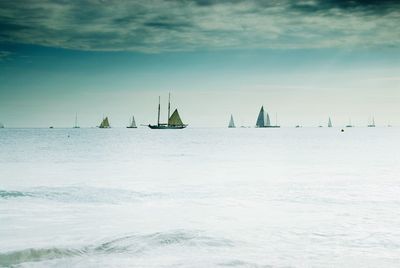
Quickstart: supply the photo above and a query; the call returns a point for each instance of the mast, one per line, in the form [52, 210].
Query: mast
[159, 106]
[169, 106]
[76, 120]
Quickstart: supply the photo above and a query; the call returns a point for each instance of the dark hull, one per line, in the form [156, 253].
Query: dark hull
[269, 127]
[131, 127]
[166, 127]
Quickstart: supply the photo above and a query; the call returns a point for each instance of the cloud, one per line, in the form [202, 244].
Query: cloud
[4, 55]
[176, 25]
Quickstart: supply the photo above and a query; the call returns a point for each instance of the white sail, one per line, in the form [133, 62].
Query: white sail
[329, 122]
[231, 123]
[260, 118]
[268, 121]
[133, 123]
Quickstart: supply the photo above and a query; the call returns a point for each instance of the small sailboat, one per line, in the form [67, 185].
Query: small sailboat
[105, 123]
[76, 121]
[373, 123]
[231, 123]
[1, 125]
[132, 123]
[174, 121]
[349, 125]
[329, 122]
[263, 121]
[260, 118]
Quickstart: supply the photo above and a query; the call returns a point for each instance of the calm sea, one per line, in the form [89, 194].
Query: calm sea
[307, 197]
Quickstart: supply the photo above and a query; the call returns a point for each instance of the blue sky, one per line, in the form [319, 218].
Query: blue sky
[303, 60]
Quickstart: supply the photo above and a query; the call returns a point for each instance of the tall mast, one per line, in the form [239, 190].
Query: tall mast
[76, 119]
[158, 119]
[169, 106]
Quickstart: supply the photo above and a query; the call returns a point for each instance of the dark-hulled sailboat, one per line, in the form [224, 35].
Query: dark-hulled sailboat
[263, 121]
[105, 123]
[132, 123]
[174, 121]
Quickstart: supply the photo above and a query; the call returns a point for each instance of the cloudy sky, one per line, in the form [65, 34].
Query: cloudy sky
[302, 60]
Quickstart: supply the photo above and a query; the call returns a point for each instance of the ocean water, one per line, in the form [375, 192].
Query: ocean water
[308, 197]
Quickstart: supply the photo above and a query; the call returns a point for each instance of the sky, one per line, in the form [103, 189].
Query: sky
[304, 61]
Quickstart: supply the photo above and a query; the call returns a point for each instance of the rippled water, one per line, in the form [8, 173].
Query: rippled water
[305, 197]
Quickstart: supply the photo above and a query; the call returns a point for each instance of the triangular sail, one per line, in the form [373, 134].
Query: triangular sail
[175, 119]
[260, 118]
[329, 122]
[268, 123]
[105, 123]
[231, 122]
[133, 123]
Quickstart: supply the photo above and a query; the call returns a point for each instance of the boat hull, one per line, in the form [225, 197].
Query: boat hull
[269, 127]
[166, 127]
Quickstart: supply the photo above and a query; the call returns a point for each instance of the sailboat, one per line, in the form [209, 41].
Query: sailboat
[132, 123]
[174, 121]
[373, 123]
[264, 121]
[105, 123]
[1, 125]
[231, 123]
[329, 122]
[76, 121]
[349, 125]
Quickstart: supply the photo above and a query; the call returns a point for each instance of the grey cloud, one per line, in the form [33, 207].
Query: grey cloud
[173, 25]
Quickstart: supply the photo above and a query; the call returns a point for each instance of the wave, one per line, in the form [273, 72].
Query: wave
[80, 194]
[129, 244]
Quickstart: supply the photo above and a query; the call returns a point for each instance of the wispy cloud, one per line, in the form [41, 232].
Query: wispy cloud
[154, 26]
[4, 55]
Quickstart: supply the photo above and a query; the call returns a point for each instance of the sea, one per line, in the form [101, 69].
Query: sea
[200, 197]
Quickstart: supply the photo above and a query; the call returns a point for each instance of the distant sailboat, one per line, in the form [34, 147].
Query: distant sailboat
[174, 121]
[1, 125]
[373, 123]
[76, 121]
[105, 123]
[231, 123]
[329, 122]
[263, 121]
[132, 123]
[349, 125]
[260, 118]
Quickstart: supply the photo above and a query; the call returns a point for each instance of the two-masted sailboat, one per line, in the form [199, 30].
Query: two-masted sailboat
[263, 120]
[231, 123]
[174, 121]
[105, 123]
[132, 123]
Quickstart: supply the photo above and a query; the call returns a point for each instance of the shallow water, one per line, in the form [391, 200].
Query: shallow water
[200, 197]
